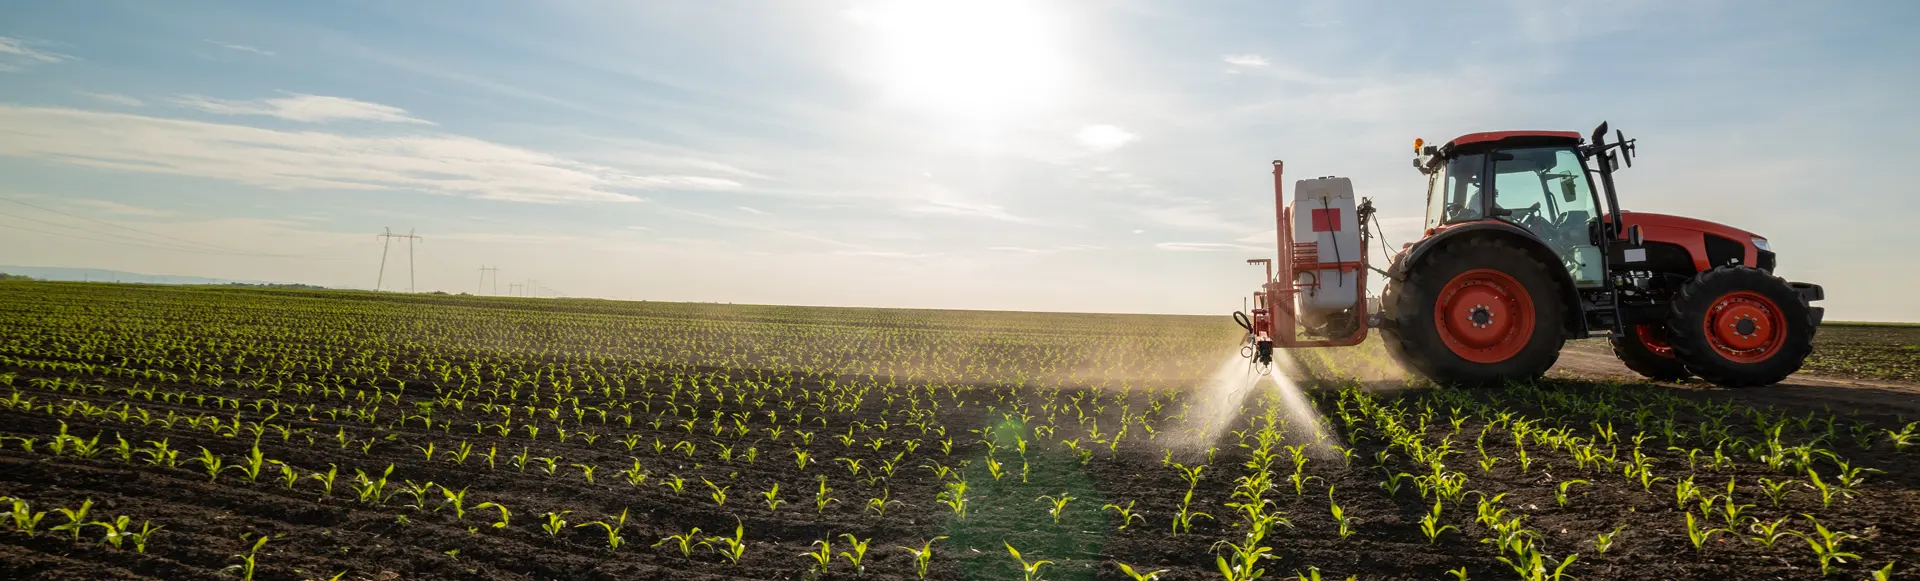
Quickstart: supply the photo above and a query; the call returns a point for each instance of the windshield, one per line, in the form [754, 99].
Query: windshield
[1542, 189]
[1454, 192]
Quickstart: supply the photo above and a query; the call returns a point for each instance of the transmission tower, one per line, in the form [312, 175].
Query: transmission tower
[386, 242]
[484, 269]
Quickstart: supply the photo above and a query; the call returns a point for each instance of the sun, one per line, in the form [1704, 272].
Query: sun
[973, 58]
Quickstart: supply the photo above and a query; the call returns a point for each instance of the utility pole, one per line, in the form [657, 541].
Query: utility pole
[512, 288]
[484, 269]
[386, 241]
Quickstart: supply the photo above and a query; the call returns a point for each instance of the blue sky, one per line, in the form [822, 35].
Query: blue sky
[1098, 156]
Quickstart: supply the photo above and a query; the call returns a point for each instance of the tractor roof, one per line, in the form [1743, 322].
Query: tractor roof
[1472, 143]
[1492, 139]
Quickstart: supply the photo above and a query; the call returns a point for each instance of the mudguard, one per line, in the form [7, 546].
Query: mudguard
[1574, 324]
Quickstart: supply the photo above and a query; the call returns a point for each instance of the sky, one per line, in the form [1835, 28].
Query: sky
[1109, 155]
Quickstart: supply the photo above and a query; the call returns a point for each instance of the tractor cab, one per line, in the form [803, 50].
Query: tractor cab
[1535, 180]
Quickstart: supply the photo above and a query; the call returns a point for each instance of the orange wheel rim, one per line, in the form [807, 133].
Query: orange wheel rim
[1654, 338]
[1484, 316]
[1745, 327]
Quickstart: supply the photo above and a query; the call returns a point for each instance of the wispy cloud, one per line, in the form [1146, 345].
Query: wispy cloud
[510, 238]
[1206, 247]
[1103, 138]
[750, 210]
[124, 209]
[18, 55]
[313, 160]
[886, 254]
[1251, 61]
[240, 47]
[113, 99]
[968, 209]
[1188, 214]
[304, 108]
[1048, 250]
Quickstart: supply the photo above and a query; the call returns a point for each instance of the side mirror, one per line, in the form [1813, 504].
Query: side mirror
[1635, 236]
[1567, 193]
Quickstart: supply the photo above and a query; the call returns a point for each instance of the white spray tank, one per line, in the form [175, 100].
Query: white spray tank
[1326, 236]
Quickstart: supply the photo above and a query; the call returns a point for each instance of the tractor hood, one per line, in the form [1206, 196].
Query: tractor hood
[1706, 244]
[1651, 221]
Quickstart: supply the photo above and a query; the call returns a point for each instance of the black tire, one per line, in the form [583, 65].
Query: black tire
[1414, 339]
[1708, 356]
[1651, 362]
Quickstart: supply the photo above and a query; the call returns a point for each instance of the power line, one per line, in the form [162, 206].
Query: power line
[484, 269]
[386, 242]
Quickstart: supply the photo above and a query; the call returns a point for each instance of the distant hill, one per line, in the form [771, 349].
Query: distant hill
[57, 273]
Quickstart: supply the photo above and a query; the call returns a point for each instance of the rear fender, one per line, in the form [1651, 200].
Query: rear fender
[1574, 323]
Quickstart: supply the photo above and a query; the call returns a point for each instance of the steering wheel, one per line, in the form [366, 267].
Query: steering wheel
[1528, 212]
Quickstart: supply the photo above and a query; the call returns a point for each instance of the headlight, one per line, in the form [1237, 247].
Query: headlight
[1761, 243]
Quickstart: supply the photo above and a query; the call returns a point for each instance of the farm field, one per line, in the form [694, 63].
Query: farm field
[211, 433]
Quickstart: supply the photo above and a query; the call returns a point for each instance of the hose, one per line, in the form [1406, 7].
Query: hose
[1241, 319]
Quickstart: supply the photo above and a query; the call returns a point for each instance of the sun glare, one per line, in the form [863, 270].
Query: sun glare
[976, 58]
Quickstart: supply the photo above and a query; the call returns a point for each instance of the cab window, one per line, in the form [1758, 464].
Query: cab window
[1462, 182]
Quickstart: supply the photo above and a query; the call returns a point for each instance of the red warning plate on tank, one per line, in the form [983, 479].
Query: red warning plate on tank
[1326, 220]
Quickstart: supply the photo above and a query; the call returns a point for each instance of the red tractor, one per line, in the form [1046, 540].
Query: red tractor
[1525, 247]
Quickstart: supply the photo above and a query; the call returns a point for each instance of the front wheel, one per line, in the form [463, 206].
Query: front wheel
[1738, 326]
[1645, 350]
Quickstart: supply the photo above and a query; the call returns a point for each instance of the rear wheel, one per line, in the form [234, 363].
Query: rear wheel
[1737, 326]
[1476, 312]
[1645, 350]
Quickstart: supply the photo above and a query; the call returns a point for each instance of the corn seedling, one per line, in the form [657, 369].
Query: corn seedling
[1699, 536]
[955, 497]
[1244, 566]
[1346, 523]
[1057, 505]
[249, 560]
[24, 519]
[1604, 541]
[556, 522]
[879, 505]
[1560, 491]
[772, 497]
[1826, 545]
[734, 547]
[1029, 568]
[822, 555]
[1183, 519]
[923, 556]
[1776, 490]
[505, 516]
[1430, 524]
[684, 542]
[1767, 533]
[820, 498]
[858, 555]
[1138, 576]
[76, 519]
[1127, 516]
